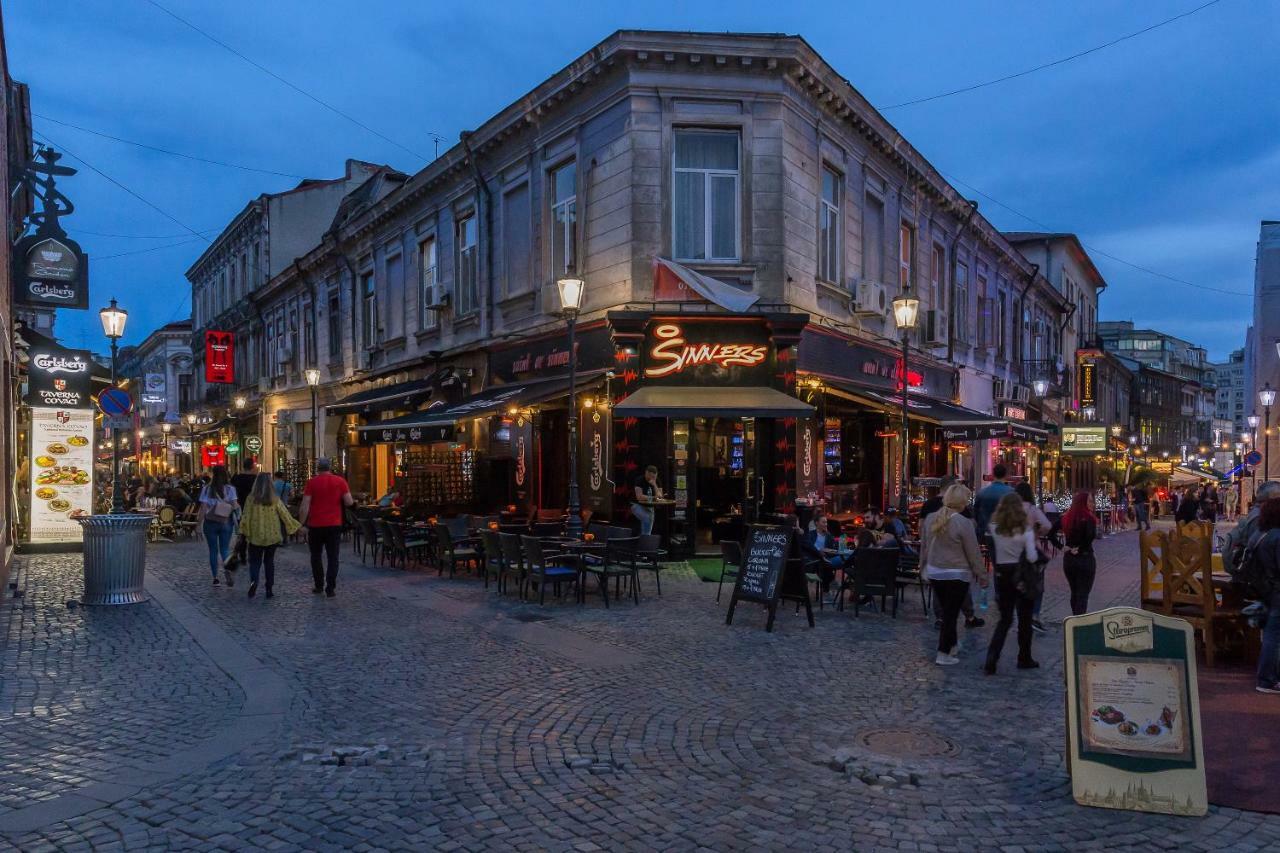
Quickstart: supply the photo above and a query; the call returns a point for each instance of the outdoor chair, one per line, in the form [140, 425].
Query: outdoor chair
[388, 539]
[459, 528]
[491, 561]
[166, 522]
[357, 531]
[542, 568]
[186, 523]
[909, 574]
[649, 556]
[621, 560]
[730, 562]
[453, 551]
[512, 562]
[874, 573]
[406, 544]
[370, 540]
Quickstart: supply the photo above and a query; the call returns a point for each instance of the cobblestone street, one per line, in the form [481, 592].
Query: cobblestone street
[413, 712]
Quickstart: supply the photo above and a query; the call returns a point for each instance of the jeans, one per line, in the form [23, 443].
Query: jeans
[951, 595]
[218, 536]
[646, 518]
[1143, 518]
[1080, 570]
[1269, 659]
[260, 555]
[1010, 601]
[326, 540]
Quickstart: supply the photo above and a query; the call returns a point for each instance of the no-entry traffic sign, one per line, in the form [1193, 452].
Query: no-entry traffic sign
[113, 402]
[1253, 457]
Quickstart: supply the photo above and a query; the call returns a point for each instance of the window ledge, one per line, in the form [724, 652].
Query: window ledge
[470, 319]
[736, 267]
[427, 334]
[830, 289]
[392, 343]
[529, 296]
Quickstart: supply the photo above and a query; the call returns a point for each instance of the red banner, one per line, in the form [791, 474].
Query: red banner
[219, 358]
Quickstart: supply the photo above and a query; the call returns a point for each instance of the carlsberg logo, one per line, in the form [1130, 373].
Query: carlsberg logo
[59, 364]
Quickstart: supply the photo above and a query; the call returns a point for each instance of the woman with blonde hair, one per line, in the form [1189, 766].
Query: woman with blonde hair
[1017, 582]
[949, 552]
[264, 523]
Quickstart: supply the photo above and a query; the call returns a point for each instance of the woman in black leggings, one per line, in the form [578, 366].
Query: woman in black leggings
[1079, 528]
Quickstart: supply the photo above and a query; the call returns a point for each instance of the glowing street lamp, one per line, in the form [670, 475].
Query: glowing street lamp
[572, 290]
[906, 309]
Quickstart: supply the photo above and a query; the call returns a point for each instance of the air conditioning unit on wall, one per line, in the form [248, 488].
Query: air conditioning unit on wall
[437, 298]
[871, 298]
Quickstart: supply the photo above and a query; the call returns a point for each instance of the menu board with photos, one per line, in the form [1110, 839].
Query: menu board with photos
[61, 473]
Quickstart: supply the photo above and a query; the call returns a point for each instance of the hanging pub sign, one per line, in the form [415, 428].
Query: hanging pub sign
[593, 461]
[219, 358]
[59, 378]
[1133, 712]
[49, 269]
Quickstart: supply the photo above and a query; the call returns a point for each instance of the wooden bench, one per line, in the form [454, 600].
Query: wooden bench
[1183, 560]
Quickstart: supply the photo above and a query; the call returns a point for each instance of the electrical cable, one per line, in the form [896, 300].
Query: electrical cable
[1095, 250]
[293, 86]
[135, 236]
[166, 150]
[185, 242]
[1006, 78]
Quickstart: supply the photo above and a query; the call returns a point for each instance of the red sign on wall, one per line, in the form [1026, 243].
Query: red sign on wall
[213, 454]
[219, 358]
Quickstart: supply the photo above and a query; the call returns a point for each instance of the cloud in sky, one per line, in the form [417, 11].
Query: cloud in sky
[1161, 150]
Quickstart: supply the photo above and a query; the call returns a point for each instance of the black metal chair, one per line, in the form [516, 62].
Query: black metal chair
[542, 568]
[512, 562]
[370, 540]
[909, 574]
[621, 560]
[730, 562]
[405, 544]
[649, 556]
[452, 552]
[874, 573]
[491, 561]
[350, 520]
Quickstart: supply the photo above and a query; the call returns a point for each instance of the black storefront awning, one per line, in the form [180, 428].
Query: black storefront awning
[955, 423]
[437, 423]
[401, 395]
[689, 401]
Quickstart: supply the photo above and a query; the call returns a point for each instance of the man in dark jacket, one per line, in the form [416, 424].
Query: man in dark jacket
[1266, 551]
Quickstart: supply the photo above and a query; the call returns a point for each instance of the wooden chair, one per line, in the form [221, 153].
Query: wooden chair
[730, 562]
[1188, 587]
[1151, 547]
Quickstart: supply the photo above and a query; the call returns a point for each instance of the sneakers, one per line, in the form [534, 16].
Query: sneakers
[215, 582]
[975, 622]
[253, 589]
[944, 659]
[1038, 627]
[1268, 687]
[1028, 664]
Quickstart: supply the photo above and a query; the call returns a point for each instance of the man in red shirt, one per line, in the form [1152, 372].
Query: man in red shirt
[323, 500]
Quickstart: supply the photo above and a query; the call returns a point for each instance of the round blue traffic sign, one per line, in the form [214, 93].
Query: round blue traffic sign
[1253, 457]
[115, 403]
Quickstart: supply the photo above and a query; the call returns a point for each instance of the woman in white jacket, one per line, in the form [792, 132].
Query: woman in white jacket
[1015, 539]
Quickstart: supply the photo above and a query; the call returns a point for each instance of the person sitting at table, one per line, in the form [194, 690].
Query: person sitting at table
[893, 530]
[816, 544]
[646, 489]
[392, 498]
[177, 498]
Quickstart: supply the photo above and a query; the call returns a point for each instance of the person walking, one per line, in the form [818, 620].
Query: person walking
[1142, 508]
[243, 484]
[1042, 527]
[1017, 576]
[264, 523]
[284, 490]
[1209, 504]
[1189, 508]
[324, 498]
[951, 557]
[1080, 529]
[1231, 501]
[1266, 551]
[217, 517]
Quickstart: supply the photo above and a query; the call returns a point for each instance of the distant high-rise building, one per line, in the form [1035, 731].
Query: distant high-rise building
[1264, 345]
[1232, 394]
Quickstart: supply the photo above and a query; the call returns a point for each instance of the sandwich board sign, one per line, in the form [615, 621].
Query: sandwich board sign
[1133, 713]
[767, 575]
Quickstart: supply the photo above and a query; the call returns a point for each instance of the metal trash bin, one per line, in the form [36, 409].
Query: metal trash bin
[115, 554]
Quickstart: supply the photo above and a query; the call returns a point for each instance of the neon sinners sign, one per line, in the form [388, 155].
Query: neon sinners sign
[673, 354]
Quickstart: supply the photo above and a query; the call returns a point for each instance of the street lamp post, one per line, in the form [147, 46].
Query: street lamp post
[1267, 397]
[164, 428]
[313, 379]
[571, 290]
[191, 438]
[239, 402]
[905, 310]
[113, 320]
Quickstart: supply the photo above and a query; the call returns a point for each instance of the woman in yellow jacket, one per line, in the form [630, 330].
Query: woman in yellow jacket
[264, 523]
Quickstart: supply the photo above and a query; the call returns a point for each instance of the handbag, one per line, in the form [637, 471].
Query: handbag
[1028, 579]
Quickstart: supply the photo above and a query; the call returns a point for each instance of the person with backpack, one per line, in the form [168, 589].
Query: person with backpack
[1260, 569]
[264, 523]
[217, 517]
[1080, 529]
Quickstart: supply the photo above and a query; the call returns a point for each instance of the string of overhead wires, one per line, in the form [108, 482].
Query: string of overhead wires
[166, 150]
[1093, 249]
[1041, 67]
[308, 95]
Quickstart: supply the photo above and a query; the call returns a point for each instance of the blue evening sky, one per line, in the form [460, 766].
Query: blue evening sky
[1162, 150]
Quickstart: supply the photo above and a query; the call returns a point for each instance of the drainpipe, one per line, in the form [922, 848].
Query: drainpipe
[951, 287]
[486, 316]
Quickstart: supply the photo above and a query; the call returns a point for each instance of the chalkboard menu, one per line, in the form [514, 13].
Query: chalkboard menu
[763, 574]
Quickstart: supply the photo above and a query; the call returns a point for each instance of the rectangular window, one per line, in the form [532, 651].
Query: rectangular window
[517, 240]
[393, 290]
[467, 265]
[706, 195]
[309, 334]
[334, 325]
[244, 273]
[984, 311]
[961, 323]
[873, 240]
[294, 341]
[564, 218]
[829, 227]
[937, 278]
[368, 310]
[906, 256]
[428, 282]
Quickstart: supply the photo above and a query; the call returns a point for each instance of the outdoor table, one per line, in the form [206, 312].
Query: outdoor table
[661, 516]
[582, 550]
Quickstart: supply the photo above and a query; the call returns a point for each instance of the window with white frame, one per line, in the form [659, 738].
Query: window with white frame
[428, 280]
[467, 266]
[564, 218]
[705, 208]
[829, 226]
[906, 256]
[368, 310]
